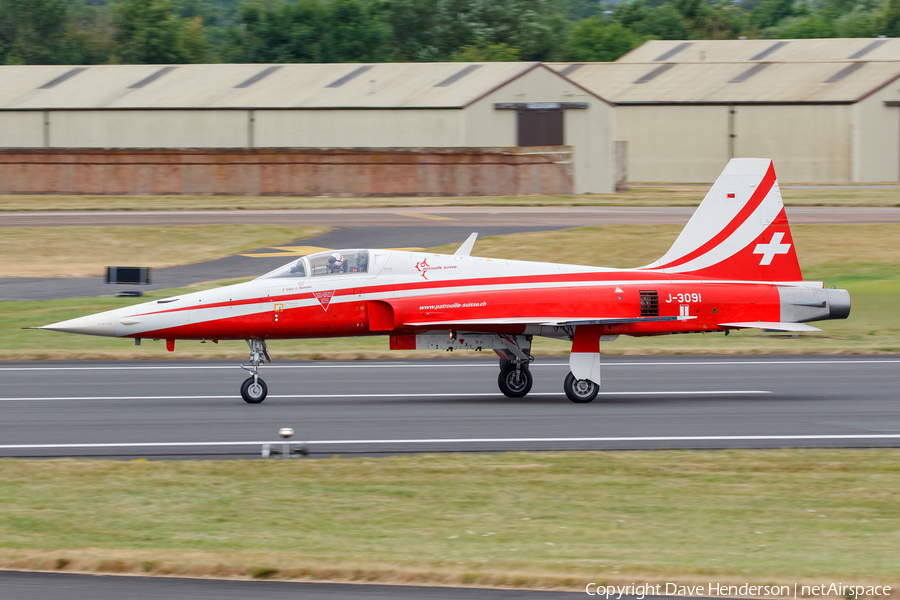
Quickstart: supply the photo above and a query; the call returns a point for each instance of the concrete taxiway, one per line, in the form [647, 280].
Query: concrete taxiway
[18, 585]
[64, 586]
[193, 410]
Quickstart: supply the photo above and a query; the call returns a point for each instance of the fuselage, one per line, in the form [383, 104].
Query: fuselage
[399, 292]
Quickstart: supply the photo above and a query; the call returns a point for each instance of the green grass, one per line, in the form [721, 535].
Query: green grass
[527, 519]
[824, 251]
[87, 251]
[640, 195]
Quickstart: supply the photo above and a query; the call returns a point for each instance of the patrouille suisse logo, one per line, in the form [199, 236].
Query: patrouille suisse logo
[324, 298]
[422, 267]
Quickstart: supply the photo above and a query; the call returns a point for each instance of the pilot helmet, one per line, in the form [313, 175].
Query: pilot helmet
[336, 260]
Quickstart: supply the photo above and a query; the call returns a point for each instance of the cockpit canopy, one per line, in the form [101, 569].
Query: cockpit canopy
[337, 262]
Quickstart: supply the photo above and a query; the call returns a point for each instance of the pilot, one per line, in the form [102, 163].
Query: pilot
[335, 263]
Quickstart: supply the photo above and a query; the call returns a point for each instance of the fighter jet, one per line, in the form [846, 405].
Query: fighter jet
[734, 266]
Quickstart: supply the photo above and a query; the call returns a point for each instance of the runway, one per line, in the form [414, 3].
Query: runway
[169, 409]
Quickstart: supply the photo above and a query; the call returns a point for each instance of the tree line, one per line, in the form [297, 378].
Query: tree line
[200, 31]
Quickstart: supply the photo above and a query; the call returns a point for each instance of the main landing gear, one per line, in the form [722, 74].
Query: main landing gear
[580, 391]
[515, 379]
[254, 389]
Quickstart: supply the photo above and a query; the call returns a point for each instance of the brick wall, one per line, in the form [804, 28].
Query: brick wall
[289, 172]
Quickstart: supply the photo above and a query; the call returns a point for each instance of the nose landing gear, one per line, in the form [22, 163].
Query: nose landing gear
[254, 389]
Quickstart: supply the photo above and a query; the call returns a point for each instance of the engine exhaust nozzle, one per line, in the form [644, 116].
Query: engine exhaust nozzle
[838, 303]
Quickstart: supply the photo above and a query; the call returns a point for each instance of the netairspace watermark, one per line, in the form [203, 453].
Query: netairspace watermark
[639, 591]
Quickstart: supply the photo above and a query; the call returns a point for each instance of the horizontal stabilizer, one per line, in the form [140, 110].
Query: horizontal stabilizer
[770, 326]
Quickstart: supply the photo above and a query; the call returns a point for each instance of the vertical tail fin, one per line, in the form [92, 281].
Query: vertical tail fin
[739, 231]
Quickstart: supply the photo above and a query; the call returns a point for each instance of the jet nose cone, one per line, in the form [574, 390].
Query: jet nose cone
[99, 324]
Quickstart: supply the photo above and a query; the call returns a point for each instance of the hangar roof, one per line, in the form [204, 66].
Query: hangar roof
[381, 85]
[813, 50]
[725, 82]
[743, 71]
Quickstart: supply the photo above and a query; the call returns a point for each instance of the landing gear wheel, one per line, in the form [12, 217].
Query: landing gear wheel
[580, 391]
[254, 392]
[515, 383]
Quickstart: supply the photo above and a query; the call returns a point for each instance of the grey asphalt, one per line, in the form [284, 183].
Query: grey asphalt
[16, 585]
[367, 228]
[377, 404]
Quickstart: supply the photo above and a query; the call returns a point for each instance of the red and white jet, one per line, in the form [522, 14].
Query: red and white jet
[734, 266]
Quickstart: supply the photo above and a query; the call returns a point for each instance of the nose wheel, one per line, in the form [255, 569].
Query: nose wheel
[254, 389]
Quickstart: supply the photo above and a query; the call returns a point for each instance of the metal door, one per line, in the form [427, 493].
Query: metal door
[541, 127]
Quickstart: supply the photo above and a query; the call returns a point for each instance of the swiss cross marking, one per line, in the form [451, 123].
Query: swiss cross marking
[769, 250]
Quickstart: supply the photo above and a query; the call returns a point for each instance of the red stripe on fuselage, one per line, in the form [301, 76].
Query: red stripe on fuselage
[561, 278]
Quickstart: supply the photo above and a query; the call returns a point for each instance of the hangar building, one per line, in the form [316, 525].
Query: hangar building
[826, 110]
[343, 129]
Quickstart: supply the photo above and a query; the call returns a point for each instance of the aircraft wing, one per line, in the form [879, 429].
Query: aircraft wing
[547, 321]
[771, 326]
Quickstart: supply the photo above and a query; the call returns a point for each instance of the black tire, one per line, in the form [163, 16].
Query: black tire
[515, 383]
[254, 394]
[580, 391]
